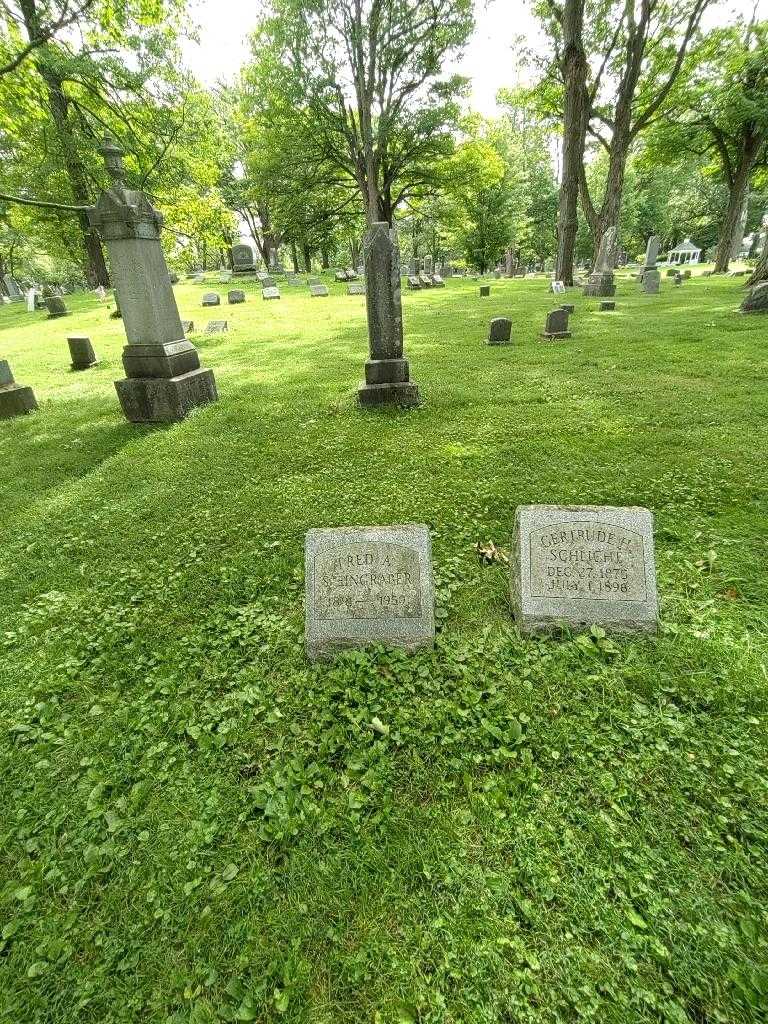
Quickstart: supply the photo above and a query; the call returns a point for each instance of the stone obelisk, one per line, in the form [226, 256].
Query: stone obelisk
[386, 372]
[164, 379]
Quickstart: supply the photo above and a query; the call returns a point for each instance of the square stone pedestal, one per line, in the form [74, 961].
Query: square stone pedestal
[601, 285]
[387, 383]
[165, 399]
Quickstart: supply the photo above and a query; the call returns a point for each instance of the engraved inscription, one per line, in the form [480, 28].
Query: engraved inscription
[367, 581]
[587, 561]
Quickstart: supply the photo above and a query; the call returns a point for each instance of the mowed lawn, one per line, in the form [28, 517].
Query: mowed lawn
[198, 825]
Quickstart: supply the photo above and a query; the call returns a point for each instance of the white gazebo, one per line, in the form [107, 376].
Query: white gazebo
[686, 252]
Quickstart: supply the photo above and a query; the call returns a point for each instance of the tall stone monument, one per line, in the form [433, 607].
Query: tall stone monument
[600, 281]
[650, 275]
[387, 375]
[164, 379]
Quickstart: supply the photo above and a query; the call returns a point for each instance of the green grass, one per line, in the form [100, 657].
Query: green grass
[198, 825]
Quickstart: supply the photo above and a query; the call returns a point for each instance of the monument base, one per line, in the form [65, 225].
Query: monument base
[401, 393]
[555, 335]
[600, 285]
[83, 366]
[172, 359]
[165, 399]
[16, 400]
[651, 281]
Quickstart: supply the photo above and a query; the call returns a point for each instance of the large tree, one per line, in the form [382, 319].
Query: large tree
[362, 85]
[640, 49]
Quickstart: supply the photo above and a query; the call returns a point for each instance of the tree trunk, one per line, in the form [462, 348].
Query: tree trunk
[94, 264]
[325, 258]
[736, 193]
[574, 131]
[295, 257]
[307, 258]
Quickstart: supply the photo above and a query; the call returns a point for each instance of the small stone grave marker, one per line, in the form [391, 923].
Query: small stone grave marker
[271, 292]
[355, 288]
[607, 307]
[211, 299]
[268, 282]
[340, 275]
[368, 585]
[583, 565]
[15, 399]
[235, 296]
[671, 271]
[485, 290]
[414, 283]
[425, 280]
[81, 352]
[318, 290]
[556, 325]
[216, 327]
[557, 288]
[501, 331]
[56, 307]
[437, 281]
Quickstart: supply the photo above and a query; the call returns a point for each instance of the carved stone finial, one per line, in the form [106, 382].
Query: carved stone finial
[113, 159]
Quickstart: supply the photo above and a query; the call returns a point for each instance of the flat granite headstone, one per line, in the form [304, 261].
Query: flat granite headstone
[437, 281]
[557, 288]
[485, 290]
[318, 290]
[268, 282]
[356, 288]
[556, 325]
[583, 565]
[368, 585]
[15, 399]
[211, 299]
[235, 296]
[414, 283]
[216, 326]
[271, 292]
[501, 331]
[81, 352]
[425, 280]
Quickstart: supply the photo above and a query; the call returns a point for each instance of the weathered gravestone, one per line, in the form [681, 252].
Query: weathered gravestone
[509, 263]
[607, 307]
[429, 268]
[425, 280]
[318, 290]
[756, 300]
[556, 325]
[32, 297]
[557, 288]
[350, 274]
[413, 267]
[164, 380]
[672, 271]
[355, 288]
[14, 292]
[368, 585]
[650, 276]
[678, 279]
[340, 275]
[242, 259]
[270, 292]
[211, 299]
[437, 281]
[56, 307]
[485, 291]
[387, 374]
[414, 283]
[216, 327]
[268, 282]
[15, 399]
[225, 276]
[600, 281]
[235, 296]
[583, 565]
[81, 352]
[501, 331]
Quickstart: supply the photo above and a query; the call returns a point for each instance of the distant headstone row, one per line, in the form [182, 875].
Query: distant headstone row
[570, 566]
